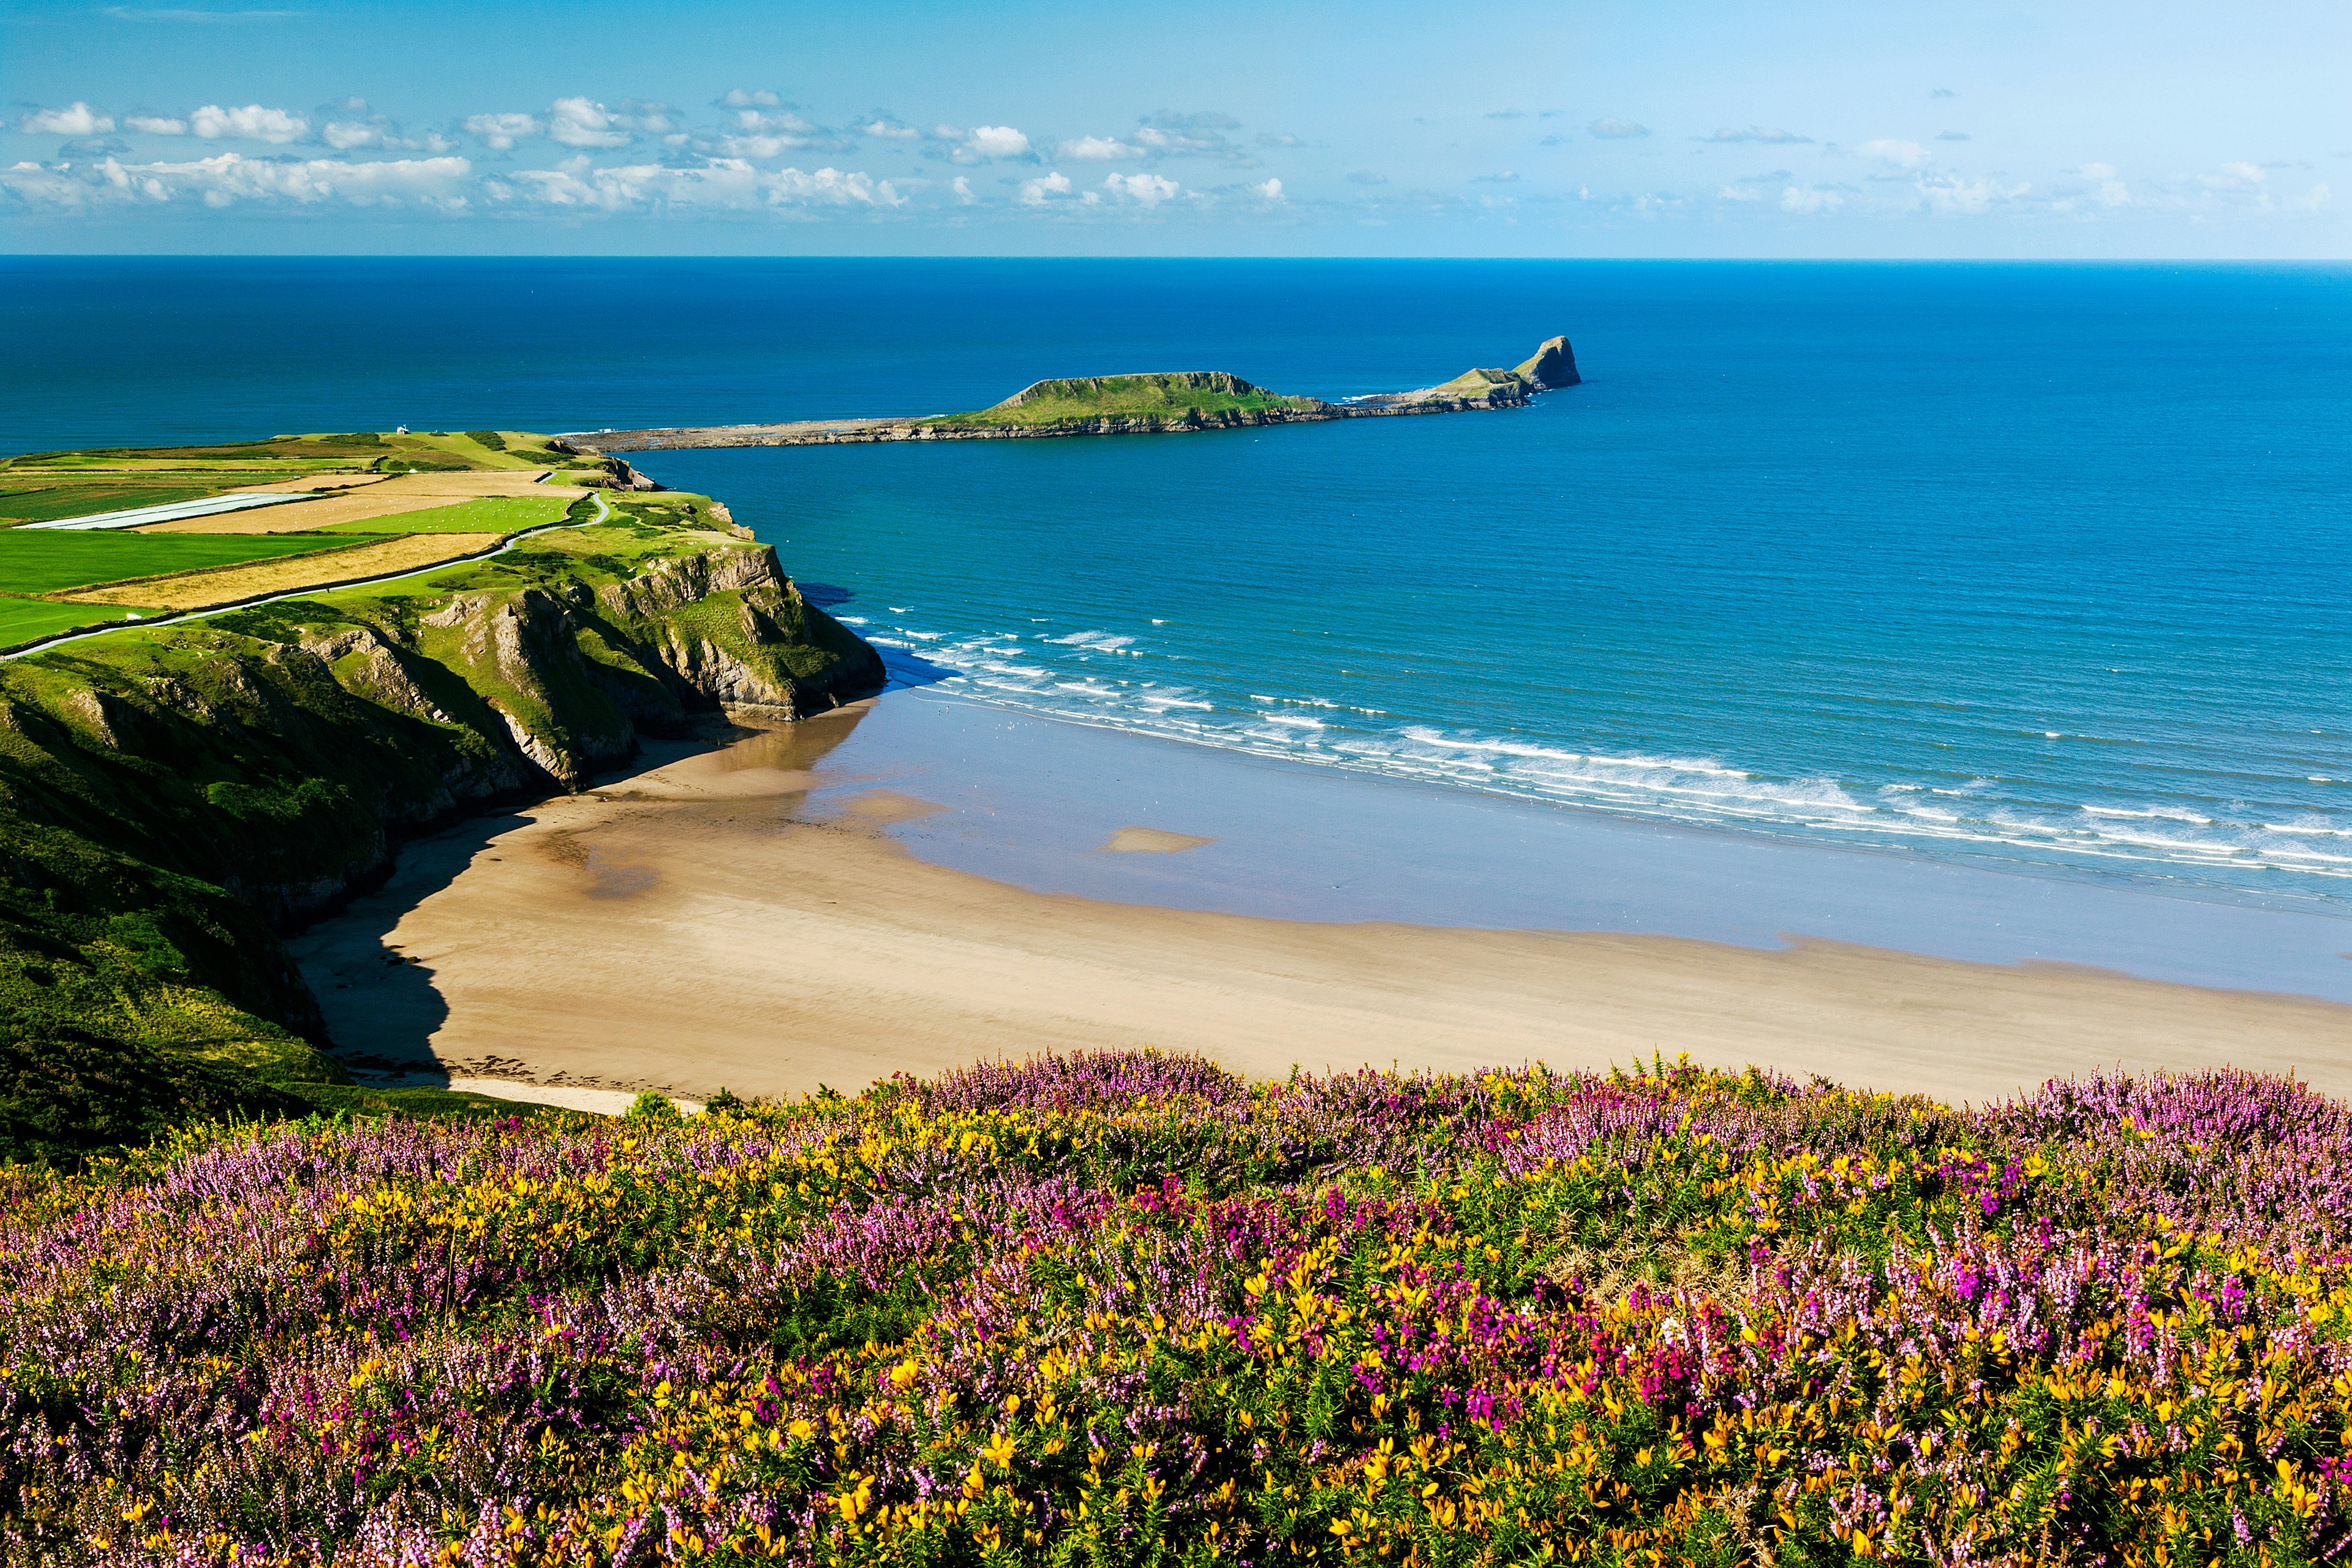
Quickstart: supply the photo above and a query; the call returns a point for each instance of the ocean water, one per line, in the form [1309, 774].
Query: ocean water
[2042, 568]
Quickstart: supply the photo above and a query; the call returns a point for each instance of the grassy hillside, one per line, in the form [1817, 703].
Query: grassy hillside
[1164, 395]
[171, 796]
[1128, 1309]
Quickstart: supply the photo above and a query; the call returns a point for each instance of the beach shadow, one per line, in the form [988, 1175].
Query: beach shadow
[383, 1007]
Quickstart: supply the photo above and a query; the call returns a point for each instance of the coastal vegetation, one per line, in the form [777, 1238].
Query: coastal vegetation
[1197, 395]
[173, 796]
[1127, 1308]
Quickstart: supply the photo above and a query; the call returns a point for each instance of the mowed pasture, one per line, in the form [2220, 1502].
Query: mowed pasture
[23, 620]
[368, 556]
[47, 563]
[485, 514]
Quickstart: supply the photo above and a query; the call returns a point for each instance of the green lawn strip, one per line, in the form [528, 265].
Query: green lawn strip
[24, 620]
[490, 514]
[49, 561]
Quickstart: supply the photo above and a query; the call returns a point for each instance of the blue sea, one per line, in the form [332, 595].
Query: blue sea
[2035, 568]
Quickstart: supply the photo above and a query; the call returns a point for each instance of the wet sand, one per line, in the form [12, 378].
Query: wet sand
[725, 920]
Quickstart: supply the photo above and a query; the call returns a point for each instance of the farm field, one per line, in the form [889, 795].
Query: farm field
[400, 553]
[22, 620]
[42, 502]
[485, 515]
[45, 562]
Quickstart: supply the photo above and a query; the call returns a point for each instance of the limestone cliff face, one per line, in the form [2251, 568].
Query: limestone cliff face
[1552, 366]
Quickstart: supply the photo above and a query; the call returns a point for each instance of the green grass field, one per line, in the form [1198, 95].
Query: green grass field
[22, 620]
[48, 560]
[491, 514]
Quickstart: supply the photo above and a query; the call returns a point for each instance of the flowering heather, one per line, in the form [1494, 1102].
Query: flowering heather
[1128, 1309]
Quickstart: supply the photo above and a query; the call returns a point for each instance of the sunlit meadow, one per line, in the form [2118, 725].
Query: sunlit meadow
[1124, 1309]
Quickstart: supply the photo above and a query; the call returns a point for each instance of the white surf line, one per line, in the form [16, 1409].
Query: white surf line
[172, 511]
[604, 510]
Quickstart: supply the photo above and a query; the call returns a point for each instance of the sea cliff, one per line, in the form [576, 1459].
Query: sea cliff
[172, 797]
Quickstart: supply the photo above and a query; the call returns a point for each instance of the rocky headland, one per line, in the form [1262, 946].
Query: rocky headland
[1141, 403]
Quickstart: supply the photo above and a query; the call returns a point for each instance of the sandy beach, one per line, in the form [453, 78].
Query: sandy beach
[703, 923]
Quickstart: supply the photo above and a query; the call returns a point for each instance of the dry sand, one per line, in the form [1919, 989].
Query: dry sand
[693, 928]
[195, 590]
[1152, 841]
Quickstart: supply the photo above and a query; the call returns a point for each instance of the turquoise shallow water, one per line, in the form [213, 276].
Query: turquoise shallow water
[2038, 568]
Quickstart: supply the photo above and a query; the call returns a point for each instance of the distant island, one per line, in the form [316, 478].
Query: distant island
[1146, 403]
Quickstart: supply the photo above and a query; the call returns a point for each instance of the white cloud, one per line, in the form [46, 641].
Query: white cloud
[250, 123]
[1613, 129]
[1099, 149]
[885, 126]
[1950, 193]
[1796, 199]
[1150, 190]
[2236, 177]
[157, 124]
[720, 184]
[75, 118]
[764, 133]
[1036, 193]
[1270, 189]
[1738, 194]
[227, 179]
[499, 133]
[1757, 134]
[1168, 134]
[962, 189]
[1898, 154]
[738, 98]
[39, 183]
[584, 123]
[988, 141]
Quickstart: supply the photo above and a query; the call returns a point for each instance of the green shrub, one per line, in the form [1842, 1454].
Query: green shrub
[653, 1108]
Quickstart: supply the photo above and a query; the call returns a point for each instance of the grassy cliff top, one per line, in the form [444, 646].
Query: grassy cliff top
[1483, 384]
[476, 484]
[1162, 394]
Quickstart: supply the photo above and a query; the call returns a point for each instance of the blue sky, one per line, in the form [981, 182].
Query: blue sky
[1652, 128]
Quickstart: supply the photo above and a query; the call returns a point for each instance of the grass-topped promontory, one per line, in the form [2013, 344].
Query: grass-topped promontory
[1162, 396]
[173, 795]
